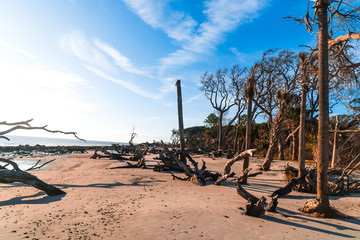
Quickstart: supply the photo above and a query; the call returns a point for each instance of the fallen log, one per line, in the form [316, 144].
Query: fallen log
[254, 205]
[228, 165]
[247, 153]
[18, 175]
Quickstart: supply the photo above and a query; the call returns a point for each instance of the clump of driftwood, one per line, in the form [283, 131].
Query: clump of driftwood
[117, 152]
[17, 175]
[171, 160]
[254, 205]
[341, 182]
[227, 169]
[105, 153]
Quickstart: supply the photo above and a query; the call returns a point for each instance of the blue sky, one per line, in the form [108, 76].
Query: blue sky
[100, 67]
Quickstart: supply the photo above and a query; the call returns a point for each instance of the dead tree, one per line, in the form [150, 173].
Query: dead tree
[276, 128]
[18, 175]
[228, 165]
[254, 205]
[218, 89]
[133, 134]
[196, 175]
[107, 154]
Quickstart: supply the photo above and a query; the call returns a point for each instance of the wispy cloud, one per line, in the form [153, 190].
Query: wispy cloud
[222, 16]
[245, 58]
[76, 43]
[196, 97]
[17, 49]
[122, 61]
[128, 85]
[159, 15]
[104, 61]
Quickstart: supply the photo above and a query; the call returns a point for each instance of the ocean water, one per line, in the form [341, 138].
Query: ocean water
[32, 141]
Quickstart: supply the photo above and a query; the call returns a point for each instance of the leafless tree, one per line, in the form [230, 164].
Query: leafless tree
[332, 19]
[219, 90]
[18, 175]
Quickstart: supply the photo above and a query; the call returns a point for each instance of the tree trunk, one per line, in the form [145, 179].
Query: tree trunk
[281, 149]
[295, 149]
[10, 176]
[274, 138]
[301, 158]
[181, 122]
[322, 204]
[334, 153]
[220, 128]
[250, 95]
[323, 128]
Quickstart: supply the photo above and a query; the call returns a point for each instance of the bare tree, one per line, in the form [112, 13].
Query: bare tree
[218, 89]
[133, 134]
[18, 175]
[331, 19]
[279, 72]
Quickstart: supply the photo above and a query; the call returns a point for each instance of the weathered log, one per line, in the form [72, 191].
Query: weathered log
[107, 154]
[272, 205]
[243, 177]
[249, 152]
[10, 176]
[18, 175]
[224, 177]
[254, 206]
[288, 187]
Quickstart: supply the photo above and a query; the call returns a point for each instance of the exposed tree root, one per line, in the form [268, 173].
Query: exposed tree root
[314, 208]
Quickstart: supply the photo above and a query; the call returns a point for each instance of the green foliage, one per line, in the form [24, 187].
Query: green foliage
[194, 136]
[211, 120]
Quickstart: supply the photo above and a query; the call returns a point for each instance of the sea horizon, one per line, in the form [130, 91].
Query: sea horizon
[32, 141]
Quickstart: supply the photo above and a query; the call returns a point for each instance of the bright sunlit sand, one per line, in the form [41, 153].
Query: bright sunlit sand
[104, 203]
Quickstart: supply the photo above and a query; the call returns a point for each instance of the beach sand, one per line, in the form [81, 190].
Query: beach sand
[104, 203]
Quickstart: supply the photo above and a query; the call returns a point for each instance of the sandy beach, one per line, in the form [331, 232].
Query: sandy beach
[104, 203]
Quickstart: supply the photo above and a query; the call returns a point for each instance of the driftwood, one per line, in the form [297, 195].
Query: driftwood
[139, 164]
[139, 156]
[197, 176]
[228, 165]
[343, 182]
[254, 206]
[249, 152]
[282, 192]
[107, 154]
[18, 175]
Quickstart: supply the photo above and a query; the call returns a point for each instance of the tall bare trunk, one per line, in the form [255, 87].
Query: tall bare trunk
[220, 128]
[323, 128]
[335, 153]
[295, 150]
[281, 149]
[250, 95]
[302, 128]
[181, 123]
[274, 138]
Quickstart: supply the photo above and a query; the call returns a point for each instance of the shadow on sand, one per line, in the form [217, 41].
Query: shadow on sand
[40, 198]
[299, 217]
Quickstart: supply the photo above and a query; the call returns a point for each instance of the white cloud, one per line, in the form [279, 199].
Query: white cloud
[17, 50]
[222, 16]
[159, 15]
[96, 59]
[119, 59]
[194, 98]
[130, 86]
[77, 44]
